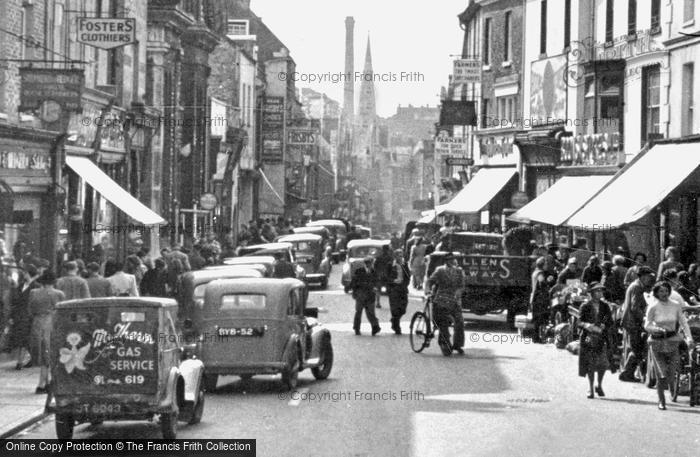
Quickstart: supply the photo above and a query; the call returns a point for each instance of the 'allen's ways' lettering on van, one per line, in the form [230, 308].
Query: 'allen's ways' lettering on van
[487, 267]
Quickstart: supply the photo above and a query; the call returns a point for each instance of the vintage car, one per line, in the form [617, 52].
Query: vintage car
[253, 261]
[191, 296]
[309, 254]
[272, 249]
[357, 251]
[323, 232]
[338, 229]
[120, 358]
[365, 232]
[261, 326]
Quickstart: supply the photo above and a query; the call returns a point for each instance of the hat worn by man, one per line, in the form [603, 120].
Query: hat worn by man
[595, 286]
[644, 270]
[572, 260]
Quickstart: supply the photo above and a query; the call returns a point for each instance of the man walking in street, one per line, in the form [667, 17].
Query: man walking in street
[363, 285]
[397, 288]
[72, 285]
[449, 282]
[282, 268]
[633, 311]
[382, 266]
[98, 286]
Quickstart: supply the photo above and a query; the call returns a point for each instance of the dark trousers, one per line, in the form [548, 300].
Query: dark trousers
[442, 319]
[398, 301]
[634, 352]
[367, 304]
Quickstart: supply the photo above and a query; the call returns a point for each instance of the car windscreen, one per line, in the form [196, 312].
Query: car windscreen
[364, 251]
[233, 302]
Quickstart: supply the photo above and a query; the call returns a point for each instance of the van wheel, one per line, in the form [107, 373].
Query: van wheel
[198, 408]
[322, 371]
[64, 426]
[290, 375]
[168, 425]
[210, 381]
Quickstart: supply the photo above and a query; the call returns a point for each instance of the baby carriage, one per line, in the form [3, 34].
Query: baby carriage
[687, 378]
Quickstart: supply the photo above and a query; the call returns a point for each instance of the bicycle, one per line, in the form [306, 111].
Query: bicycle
[423, 328]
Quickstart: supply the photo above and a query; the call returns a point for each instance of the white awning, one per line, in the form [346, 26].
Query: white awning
[112, 191]
[561, 201]
[639, 187]
[426, 217]
[479, 191]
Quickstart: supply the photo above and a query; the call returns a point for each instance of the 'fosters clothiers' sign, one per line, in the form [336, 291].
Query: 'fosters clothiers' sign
[106, 33]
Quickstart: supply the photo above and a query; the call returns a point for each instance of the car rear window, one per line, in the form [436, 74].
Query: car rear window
[242, 301]
[303, 246]
[199, 291]
[364, 251]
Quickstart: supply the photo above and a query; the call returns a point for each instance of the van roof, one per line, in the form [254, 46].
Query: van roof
[150, 302]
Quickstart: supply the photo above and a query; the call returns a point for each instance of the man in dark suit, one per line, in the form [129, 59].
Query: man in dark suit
[398, 278]
[633, 310]
[363, 285]
[283, 268]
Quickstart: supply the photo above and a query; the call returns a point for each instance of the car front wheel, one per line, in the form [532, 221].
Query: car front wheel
[322, 371]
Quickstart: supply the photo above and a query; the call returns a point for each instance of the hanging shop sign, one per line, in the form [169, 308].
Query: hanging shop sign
[301, 136]
[466, 71]
[39, 85]
[106, 33]
[207, 201]
[450, 146]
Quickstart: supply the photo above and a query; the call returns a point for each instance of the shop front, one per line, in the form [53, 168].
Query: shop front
[652, 201]
[25, 181]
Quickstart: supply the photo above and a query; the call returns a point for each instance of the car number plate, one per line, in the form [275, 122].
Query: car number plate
[98, 408]
[241, 331]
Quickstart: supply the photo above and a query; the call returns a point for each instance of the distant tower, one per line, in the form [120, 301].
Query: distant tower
[349, 90]
[368, 107]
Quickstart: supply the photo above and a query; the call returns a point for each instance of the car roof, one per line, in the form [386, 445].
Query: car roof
[150, 302]
[248, 259]
[225, 271]
[268, 246]
[368, 242]
[313, 229]
[300, 237]
[264, 286]
[324, 222]
[479, 234]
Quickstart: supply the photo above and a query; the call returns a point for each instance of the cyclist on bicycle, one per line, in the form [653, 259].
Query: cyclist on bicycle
[446, 285]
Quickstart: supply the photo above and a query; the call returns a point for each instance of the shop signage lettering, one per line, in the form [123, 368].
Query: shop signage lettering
[496, 270]
[273, 126]
[106, 33]
[299, 136]
[451, 146]
[598, 149]
[466, 71]
[24, 161]
[101, 336]
[623, 48]
[65, 87]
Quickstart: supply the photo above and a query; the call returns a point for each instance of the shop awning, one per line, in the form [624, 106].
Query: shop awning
[479, 191]
[639, 187]
[113, 192]
[559, 202]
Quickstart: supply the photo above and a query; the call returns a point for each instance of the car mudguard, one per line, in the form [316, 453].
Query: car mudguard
[191, 371]
[292, 345]
[170, 399]
[319, 336]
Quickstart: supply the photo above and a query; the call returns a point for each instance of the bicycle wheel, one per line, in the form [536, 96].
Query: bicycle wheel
[419, 335]
[674, 385]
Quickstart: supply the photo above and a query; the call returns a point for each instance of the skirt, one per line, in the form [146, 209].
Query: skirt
[41, 334]
[664, 362]
[592, 360]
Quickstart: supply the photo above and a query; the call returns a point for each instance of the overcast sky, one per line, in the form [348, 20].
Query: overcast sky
[406, 36]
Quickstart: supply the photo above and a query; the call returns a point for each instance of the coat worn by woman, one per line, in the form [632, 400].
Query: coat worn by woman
[21, 317]
[595, 352]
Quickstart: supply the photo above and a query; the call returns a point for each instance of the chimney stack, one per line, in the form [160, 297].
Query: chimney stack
[349, 90]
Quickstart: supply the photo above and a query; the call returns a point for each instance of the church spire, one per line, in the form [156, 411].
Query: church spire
[367, 108]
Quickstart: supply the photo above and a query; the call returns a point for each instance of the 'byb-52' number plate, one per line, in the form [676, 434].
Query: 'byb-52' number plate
[241, 331]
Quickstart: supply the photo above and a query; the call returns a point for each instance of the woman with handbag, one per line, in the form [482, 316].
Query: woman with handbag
[663, 319]
[595, 353]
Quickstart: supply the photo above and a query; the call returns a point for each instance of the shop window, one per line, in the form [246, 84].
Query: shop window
[651, 102]
[687, 101]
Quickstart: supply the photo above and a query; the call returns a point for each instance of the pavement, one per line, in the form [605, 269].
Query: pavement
[19, 405]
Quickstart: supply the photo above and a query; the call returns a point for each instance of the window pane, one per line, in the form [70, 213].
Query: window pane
[233, 302]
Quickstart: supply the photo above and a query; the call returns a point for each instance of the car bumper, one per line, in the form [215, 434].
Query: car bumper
[315, 277]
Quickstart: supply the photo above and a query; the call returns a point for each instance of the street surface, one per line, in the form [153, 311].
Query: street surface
[505, 397]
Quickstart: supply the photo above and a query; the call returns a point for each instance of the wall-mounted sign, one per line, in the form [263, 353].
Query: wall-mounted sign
[451, 146]
[466, 71]
[64, 87]
[83, 128]
[301, 136]
[598, 149]
[272, 129]
[16, 160]
[106, 33]
[207, 201]
[457, 112]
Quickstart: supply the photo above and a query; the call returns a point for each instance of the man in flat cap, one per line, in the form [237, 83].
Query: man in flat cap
[449, 282]
[363, 285]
